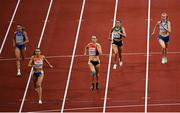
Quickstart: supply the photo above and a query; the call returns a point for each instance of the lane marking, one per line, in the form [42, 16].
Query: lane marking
[9, 27]
[109, 65]
[69, 56]
[39, 44]
[147, 58]
[73, 55]
[111, 107]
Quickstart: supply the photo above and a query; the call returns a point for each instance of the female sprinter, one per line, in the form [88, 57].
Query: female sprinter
[19, 43]
[117, 34]
[164, 31]
[36, 62]
[94, 50]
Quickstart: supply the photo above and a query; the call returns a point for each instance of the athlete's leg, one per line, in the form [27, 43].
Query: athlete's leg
[115, 54]
[97, 75]
[120, 55]
[23, 53]
[18, 58]
[34, 81]
[93, 73]
[39, 87]
[163, 46]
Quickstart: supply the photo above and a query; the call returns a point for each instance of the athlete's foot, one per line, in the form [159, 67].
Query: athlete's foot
[163, 61]
[92, 87]
[40, 101]
[97, 86]
[18, 72]
[114, 66]
[36, 89]
[120, 63]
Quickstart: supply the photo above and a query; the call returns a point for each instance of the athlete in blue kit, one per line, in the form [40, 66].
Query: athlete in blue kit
[164, 31]
[19, 42]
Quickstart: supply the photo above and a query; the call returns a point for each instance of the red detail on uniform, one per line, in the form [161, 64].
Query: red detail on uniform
[92, 45]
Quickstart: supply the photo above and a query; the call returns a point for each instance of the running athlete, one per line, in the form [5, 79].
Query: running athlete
[163, 38]
[19, 43]
[94, 50]
[116, 36]
[37, 62]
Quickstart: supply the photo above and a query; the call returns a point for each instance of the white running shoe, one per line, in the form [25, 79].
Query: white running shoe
[163, 61]
[18, 72]
[114, 66]
[120, 63]
[40, 101]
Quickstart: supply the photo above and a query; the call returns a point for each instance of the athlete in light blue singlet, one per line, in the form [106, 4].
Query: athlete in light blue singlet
[164, 32]
[19, 42]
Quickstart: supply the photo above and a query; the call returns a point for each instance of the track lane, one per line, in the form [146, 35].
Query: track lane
[58, 40]
[6, 10]
[97, 21]
[163, 85]
[9, 83]
[127, 83]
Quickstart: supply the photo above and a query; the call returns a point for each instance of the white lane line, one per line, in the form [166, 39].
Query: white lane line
[9, 27]
[147, 58]
[111, 107]
[109, 65]
[39, 44]
[69, 56]
[125, 106]
[73, 55]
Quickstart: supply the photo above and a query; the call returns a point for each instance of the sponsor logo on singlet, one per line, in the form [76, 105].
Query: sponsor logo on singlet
[116, 32]
[38, 63]
[92, 49]
[19, 37]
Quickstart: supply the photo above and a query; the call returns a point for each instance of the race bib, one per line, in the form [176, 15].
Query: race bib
[116, 34]
[92, 51]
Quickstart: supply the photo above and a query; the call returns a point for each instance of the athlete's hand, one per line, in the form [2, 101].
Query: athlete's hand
[152, 34]
[85, 54]
[110, 39]
[30, 65]
[51, 66]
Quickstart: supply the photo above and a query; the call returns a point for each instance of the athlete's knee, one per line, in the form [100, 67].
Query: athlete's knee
[93, 73]
[18, 58]
[115, 52]
[163, 46]
[38, 85]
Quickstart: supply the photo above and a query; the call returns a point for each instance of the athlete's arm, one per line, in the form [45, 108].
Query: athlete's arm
[14, 42]
[26, 37]
[169, 27]
[123, 32]
[99, 49]
[110, 34]
[48, 62]
[154, 30]
[85, 50]
[30, 64]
